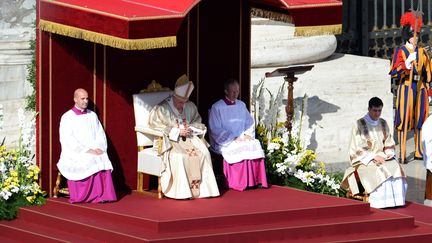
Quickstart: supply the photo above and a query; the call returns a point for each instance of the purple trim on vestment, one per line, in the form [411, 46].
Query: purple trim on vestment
[244, 174]
[78, 111]
[95, 188]
[228, 102]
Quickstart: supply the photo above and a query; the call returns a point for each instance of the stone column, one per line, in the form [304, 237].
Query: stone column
[16, 29]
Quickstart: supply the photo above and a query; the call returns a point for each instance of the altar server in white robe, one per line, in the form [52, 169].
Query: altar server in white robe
[427, 158]
[232, 134]
[373, 163]
[187, 169]
[83, 160]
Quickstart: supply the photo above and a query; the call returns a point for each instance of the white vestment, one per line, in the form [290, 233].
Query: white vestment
[426, 132]
[385, 183]
[78, 134]
[185, 161]
[226, 123]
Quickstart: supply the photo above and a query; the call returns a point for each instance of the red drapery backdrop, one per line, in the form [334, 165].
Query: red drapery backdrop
[198, 45]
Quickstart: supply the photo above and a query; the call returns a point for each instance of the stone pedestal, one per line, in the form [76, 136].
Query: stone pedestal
[274, 45]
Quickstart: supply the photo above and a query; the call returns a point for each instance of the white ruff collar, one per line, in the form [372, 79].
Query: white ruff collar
[369, 120]
[409, 45]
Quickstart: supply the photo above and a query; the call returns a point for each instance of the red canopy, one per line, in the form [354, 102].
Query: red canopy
[149, 24]
[125, 24]
[311, 17]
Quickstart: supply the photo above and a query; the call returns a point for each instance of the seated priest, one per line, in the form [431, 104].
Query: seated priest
[187, 168]
[83, 160]
[373, 164]
[232, 134]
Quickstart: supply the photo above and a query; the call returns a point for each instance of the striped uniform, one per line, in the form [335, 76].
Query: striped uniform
[412, 105]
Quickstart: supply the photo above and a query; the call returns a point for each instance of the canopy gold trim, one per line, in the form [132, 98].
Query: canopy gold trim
[263, 13]
[108, 40]
[318, 30]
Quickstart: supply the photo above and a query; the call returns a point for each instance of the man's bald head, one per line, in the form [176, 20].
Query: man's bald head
[79, 92]
[81, 98]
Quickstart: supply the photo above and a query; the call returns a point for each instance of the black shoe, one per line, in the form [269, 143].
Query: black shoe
[418, 158]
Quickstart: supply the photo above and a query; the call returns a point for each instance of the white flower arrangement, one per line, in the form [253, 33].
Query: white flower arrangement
[19, 173]
[287, 162]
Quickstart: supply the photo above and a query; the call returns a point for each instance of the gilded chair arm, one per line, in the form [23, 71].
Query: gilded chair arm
[148, 131]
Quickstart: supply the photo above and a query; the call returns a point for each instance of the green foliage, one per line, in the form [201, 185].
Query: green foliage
[31, 77]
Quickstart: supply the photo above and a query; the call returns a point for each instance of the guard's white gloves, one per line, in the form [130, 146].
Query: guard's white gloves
[412, 56]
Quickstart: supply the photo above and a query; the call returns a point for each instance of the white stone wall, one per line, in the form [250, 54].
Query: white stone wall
[338, 88]
[16, 29]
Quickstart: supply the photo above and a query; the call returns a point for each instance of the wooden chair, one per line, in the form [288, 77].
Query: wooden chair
[148, 140]
[58, 189]
[362, 196]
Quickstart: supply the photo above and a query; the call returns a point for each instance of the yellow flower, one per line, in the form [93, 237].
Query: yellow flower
[31, 198]
[13, 173]
[280, 124]
[321, 168]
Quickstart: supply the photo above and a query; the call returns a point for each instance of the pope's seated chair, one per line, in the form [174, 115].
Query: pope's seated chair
[148, 140]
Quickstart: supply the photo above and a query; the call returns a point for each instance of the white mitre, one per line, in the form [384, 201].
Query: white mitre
[183, 87]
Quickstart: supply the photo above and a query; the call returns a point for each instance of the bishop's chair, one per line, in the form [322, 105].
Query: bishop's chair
[148, 140]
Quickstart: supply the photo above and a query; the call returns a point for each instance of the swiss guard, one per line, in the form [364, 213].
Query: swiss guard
[411, 68]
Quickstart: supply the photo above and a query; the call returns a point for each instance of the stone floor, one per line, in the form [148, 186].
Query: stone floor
[416, 174]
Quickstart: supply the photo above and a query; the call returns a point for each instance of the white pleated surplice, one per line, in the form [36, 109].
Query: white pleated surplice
[391, 193]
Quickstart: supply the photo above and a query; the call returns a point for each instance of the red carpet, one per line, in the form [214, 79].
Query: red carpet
[261, 215]
[420, 212]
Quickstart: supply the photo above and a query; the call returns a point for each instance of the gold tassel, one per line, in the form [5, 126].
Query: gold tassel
[258, 12]
[318, 30]
[108, 40]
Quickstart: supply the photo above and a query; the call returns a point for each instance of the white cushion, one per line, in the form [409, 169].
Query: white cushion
[143, 103]
[149, 162]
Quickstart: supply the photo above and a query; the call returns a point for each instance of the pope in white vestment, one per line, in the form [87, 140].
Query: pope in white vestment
[373, 163]
[232, 134]
[83, 160]
[187, 170]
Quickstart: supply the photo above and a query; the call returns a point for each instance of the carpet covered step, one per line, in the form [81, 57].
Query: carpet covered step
[275, 214]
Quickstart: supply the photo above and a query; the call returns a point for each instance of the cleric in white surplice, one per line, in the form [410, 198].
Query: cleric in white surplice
[373, 163]
[83, 160]
[232, 134]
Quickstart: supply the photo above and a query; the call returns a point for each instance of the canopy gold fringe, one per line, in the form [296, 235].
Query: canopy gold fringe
[318, 30]
[108, 40]
[258, 12]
